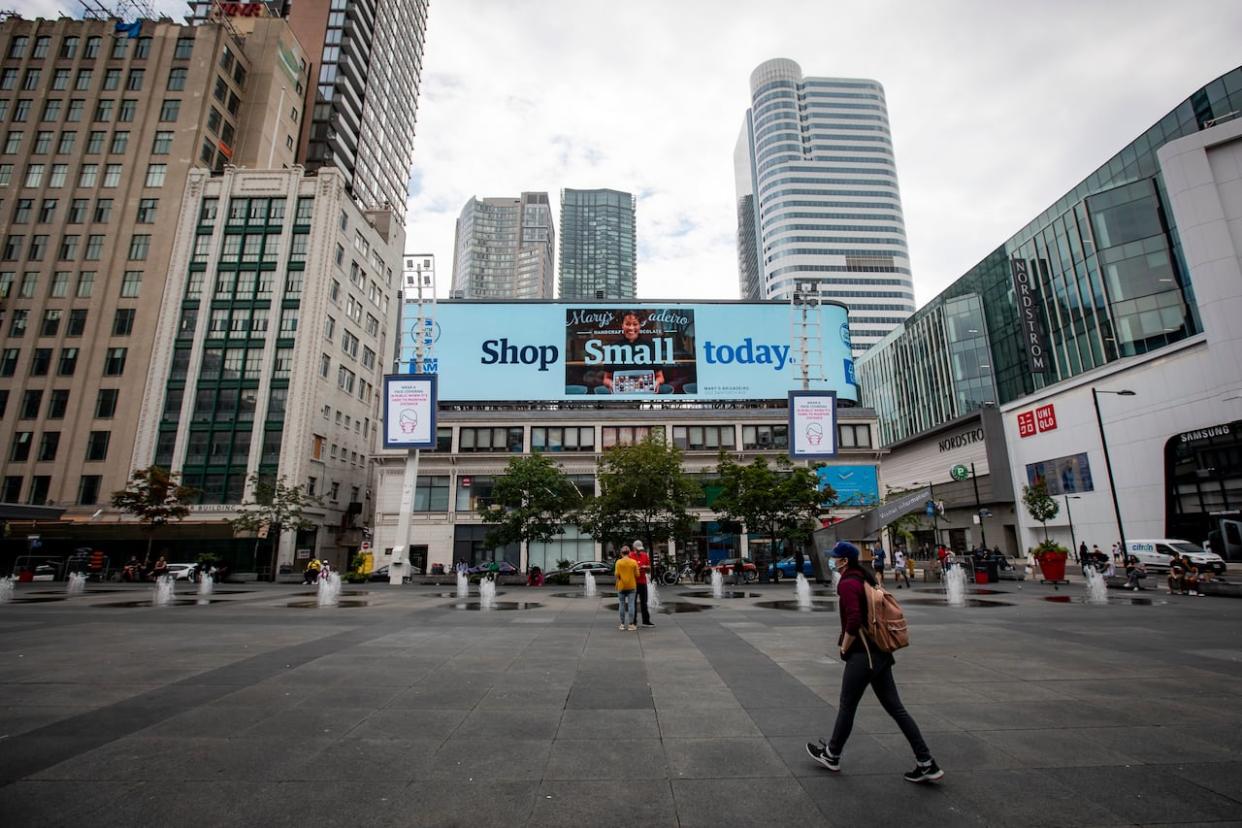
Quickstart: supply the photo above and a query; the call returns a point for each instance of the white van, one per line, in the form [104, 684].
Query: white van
[1156, 554]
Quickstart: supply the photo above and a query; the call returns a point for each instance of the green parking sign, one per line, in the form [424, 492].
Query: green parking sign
[959, 472]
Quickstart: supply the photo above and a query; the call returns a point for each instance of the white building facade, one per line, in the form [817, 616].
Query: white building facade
[818, 200]
[1175, 443]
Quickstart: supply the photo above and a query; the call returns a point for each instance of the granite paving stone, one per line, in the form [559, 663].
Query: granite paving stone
[409, 712]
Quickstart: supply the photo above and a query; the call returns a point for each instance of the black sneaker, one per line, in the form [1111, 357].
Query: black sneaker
[820, 754]
[648, 624]
[924, 773]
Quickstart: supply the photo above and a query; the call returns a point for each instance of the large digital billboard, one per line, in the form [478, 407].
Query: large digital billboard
[498, 351]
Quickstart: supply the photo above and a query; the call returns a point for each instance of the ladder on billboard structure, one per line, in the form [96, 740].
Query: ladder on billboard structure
[806, 330]
[415, 354]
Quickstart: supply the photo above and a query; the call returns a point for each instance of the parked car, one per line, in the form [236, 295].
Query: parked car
[788, 567]
[183, 571]
[1155, 554]
[381, 575]
[506, 568]
[750, 572]
[583, 567]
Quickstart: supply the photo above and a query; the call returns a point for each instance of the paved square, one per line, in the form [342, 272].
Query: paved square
[410, 711]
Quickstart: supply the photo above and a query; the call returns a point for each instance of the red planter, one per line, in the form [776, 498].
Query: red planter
[1053, 566]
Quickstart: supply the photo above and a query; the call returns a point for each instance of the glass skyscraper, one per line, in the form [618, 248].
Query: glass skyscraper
[1105, 280]
[505, 249]
[598, 245]
[817, 197]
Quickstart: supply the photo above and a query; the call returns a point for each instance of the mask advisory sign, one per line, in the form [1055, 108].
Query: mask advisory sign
[410, 411]
[504, 351]
[812, 424]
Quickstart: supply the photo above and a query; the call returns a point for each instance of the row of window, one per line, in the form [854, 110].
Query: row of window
[71, 246]
[49, 445]
[122, 322]
[97, 141]
[118, 47]
[73, 110]
[511, 439]
[78, 209]
[58, 288]
[58, 403]
[56, 176]
[41, 486]
[41, 362]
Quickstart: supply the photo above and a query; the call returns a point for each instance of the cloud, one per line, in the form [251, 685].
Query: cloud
[995, 113]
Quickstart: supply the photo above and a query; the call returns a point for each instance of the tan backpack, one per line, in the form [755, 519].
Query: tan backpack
[886, 623]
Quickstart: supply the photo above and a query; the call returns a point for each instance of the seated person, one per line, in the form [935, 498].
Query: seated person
[1177, 581]
[1191, 578]
[1135, 572]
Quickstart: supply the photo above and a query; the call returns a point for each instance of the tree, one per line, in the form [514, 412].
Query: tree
[1040, 505]
[782, 503]
[155, 497]
[644, 494]
[529, 502]
[276, 507]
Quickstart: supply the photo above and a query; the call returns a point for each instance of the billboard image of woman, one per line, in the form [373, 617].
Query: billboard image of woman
[629, 351]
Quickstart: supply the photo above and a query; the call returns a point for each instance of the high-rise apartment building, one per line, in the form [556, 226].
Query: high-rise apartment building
[363, 100]
[505, 249]
[270, 350]
[101, 130]
[598, 245]
[817, 197]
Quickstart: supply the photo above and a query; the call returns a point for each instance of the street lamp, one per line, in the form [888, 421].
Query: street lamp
[1070, 517]
[1108, 463]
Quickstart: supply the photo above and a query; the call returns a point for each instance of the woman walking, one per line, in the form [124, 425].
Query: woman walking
[866, 664]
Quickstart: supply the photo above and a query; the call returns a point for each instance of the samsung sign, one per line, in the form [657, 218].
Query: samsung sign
[563, 351]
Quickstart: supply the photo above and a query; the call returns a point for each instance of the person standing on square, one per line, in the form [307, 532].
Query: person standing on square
[644, 570]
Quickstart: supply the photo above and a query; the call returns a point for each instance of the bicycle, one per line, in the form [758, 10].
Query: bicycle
[671, 577]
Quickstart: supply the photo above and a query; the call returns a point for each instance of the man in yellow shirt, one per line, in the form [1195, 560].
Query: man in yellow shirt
[626, 572]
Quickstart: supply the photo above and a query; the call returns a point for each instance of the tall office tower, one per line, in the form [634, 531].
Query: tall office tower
[363, 106]
[504, 249]
[817, 198]
[598, 245]
[101, 131]
[271, 347]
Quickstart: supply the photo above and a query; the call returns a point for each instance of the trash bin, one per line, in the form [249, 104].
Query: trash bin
[981, 575]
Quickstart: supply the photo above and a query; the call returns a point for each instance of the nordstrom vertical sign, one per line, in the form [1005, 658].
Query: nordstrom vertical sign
[1028, 313]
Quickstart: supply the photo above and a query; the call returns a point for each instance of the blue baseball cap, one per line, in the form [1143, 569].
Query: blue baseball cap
[845, 549]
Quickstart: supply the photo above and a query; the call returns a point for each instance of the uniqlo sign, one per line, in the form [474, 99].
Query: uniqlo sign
[1038, 421]
[1046, 418]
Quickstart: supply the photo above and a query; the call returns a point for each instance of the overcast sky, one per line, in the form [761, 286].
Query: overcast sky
[997, 108]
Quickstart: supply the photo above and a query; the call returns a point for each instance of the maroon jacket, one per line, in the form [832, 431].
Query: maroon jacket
[852, 604]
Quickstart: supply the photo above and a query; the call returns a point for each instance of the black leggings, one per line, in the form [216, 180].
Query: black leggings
[642, 604]
[858, 674]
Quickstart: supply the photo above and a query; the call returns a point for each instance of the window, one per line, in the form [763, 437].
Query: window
[88, 489]
[97, 446]
[51, 323]
[762, 437]
[349, 344]
[562, 438]
[40, 484]
[112, 175]
[68, 362]
[146, 211]
[12, 489]
[17, 325]
[76, 107]
[30, 284]
[325, 365]
[57, 404]
[69, 47]
[86, 284]
[49, 442]
[13, 142]
[31, 81]
[42, 44]
[131, 284]
[21, 111]
[88, 176]
[155, 174]
[8, 361]
[162, 144]
[125, 115]
[34, 175]
[67, 140]
[372, 325]
[139, 246]
[60, 284]
[20, 450]
[490, 439]
[6, 284]
[105, 403]
[6, 174]
[77, 318]
[221, 91]
[114, 362]
[18, 46]
[104, 109]
[47, 210]
[368, 357]
[43, 142]
[169, 110]
[703, 437]
[133, 82]
[60, 80]
[854, 436]
[21, 211]
[299, 246]
[119, 47]
[123, 322]
[345, 379]
[184, 48]
[213, 120]
[77, 211]
[94, 247]
[120, 142]
[83, 80]
[32, 401]
[38, 246]
[143, 48]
